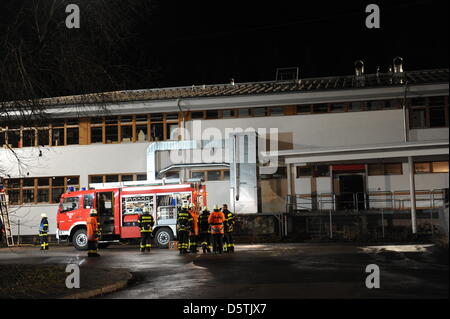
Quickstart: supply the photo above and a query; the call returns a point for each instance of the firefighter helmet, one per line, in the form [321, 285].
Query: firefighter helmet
[206, 209]
[216, 208]
[185, 206]
[93, 212]
[146, 210]
[44, 215]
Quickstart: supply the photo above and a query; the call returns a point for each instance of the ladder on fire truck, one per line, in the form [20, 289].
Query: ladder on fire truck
[5, 217]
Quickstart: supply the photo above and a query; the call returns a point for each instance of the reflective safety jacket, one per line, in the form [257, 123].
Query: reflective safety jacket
[184, 221]
[216, 220]
[194, 229]
[43, 227]
[92, 228]
[146, 223]
[229, 221]
[203, 224]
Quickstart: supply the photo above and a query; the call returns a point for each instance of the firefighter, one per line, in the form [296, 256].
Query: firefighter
[43, 232]
[146, 223]
[193, 233]
[216, 220]
[184, 225]
[204, 230]
[92, 233]
[229, 228]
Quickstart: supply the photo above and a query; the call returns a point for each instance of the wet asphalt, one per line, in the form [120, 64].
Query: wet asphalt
[264, 271]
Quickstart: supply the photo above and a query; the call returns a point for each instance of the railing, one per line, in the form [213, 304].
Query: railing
[373, 200]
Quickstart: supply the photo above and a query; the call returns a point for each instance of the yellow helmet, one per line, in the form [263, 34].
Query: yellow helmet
[185, 206]
[146, 210]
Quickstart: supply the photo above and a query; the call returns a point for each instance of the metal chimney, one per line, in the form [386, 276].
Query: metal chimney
[359, 74]
[398, 65]
[359, 68]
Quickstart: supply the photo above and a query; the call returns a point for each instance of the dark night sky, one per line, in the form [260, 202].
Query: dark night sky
[204, 42]
[139, 44]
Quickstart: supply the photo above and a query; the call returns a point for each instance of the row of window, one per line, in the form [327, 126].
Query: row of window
[429, 112]
[379, 169]
[39, 189]
[115, 178]
[424, 113]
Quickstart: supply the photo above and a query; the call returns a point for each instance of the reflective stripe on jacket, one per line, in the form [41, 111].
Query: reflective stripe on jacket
[216, 220]
[146, 223]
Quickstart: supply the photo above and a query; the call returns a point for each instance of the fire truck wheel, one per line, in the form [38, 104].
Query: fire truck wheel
[79, 239]
[163, 237]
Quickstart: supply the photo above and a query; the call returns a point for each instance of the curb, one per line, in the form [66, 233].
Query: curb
[101, 291]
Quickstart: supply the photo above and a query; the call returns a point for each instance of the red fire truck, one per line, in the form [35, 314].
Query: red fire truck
[119, 206]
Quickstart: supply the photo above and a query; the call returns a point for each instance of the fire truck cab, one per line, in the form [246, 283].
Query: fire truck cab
[118, 207]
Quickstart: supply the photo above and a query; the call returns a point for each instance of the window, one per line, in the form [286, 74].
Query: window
[322, 170]
[96, 134]
[440, 167]
[43, 137]
[28, 138]
[126, 133]
[141, 132]
[126, 177]
[212, 175]
[431, 167]
[393, 169]
[356, 106]
[172, 132]
[394, 104]
[88, 201]
[14, 138]
[111, 134]
[259, 111]
[304, 171]
[212, 114]
[418, 119]
[57, 136]
[197, 115]
[437, 117]
[69, 204]
[422, 167]
[228, 113]
[275, 111]
[380, 169]
[112, 178]
[320, 108]
[38, 189]
[157, 132]
[2, 138]
[338, 107]
[303, 109]
[93, 179]
[141, 177]
[172, 174]
[375, 105]
[244, 113]
[72, 136]
[429, 112]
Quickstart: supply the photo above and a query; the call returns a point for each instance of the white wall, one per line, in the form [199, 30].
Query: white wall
[338, 129]
[429, 134]
[401, 182]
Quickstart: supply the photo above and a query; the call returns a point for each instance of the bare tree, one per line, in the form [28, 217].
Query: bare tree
[40, 57]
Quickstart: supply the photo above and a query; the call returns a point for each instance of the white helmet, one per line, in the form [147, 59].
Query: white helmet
[43, 215]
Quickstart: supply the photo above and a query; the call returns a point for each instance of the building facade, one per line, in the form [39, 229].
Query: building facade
[338, 143]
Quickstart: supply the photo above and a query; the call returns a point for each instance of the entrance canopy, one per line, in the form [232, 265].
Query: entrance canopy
[362, 152]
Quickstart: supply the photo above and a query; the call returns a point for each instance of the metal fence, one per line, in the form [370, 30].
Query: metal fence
[374, 200]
